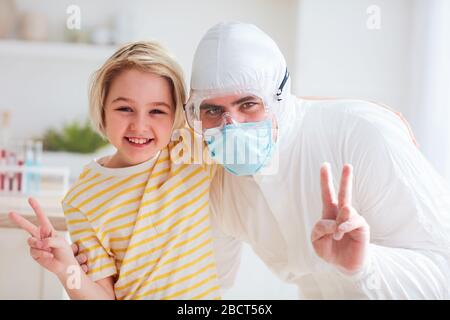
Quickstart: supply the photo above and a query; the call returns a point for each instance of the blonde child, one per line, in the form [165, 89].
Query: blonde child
[141, 218]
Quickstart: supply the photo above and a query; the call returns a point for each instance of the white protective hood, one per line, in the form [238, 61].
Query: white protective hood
[232, 57]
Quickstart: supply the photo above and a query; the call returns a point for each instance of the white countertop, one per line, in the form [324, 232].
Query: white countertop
[51, 205]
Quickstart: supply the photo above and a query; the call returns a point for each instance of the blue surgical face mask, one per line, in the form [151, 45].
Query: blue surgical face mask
[243, 148]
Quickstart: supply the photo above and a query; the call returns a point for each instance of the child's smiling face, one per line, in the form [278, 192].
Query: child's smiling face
[139, 113]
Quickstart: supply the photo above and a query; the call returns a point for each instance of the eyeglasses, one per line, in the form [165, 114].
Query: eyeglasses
[202, 115]
[211, 115]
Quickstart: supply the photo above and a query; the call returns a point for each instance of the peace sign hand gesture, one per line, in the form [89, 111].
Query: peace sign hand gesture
[342, 236]
[49, 250]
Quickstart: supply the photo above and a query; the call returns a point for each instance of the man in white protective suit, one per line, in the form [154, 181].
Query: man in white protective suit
[384, 233]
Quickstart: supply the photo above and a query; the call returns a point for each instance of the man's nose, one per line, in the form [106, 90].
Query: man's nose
[233, 118]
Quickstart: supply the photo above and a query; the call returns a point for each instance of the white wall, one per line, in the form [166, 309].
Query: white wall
[403, 64]
[430, 95]
[337, 55]
[43, 92]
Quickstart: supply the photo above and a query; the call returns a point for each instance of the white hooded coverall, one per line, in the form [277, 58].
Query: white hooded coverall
[405, 202]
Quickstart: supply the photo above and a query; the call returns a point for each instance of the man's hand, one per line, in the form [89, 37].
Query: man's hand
[81, 258]
[342, 236]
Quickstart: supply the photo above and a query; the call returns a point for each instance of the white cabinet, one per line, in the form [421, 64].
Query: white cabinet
[20, 276]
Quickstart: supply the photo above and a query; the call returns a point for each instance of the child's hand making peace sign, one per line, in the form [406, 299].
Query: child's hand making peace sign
[49, 250]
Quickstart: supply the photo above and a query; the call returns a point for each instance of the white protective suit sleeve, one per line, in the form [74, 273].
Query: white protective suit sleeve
[407, 206]
[227, 249]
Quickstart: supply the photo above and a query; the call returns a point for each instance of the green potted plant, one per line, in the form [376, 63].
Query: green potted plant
[73, 146]
[75, 136]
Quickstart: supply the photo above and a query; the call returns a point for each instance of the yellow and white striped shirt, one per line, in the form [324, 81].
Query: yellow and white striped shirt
[148, 226]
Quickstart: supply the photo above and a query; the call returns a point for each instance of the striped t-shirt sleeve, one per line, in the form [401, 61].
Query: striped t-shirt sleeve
[100, 263]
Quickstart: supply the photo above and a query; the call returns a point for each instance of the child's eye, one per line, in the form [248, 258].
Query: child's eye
[157, 111]
[124, 109]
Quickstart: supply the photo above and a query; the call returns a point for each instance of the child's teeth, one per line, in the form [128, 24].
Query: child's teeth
[138, 141]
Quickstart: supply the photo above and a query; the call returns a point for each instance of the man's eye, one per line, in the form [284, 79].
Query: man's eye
[249, 105]
[213, 111]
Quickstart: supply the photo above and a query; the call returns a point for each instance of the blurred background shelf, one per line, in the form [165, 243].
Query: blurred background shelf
[64, 50]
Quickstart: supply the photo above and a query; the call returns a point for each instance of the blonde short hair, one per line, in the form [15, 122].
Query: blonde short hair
[145, 56]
